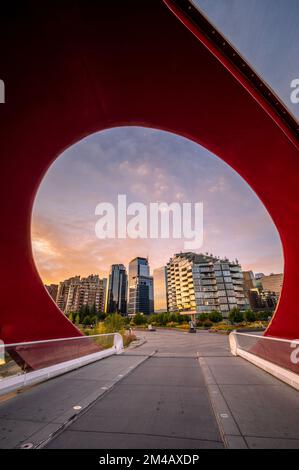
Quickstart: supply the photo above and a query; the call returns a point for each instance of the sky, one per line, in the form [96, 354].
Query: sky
[150, 166]
[266, 33]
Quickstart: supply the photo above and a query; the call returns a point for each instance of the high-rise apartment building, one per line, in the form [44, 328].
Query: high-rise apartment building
[52, 290]
[117, 290]
[160, 290]
[201, 283]
[63, 291]
[141, 292]
[103, 294]
[75, 292]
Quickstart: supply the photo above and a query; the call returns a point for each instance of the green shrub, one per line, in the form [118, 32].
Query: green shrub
[235, 316]
[86, 321]
[215, 316]
[263, 316]
[113, 323]
[249, 316]
[171, 324]
[139, 319]
[162, 319]
[202, 316]
[207, 324]
[183, 326]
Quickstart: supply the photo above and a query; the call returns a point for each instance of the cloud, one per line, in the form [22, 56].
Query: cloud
[219, 186]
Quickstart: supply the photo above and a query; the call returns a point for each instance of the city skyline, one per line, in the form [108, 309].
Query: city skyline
[106, 276]
[147, 165]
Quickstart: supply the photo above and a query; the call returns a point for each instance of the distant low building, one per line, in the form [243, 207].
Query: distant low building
[252, 291]
[259, 276]
[269, 299]
[262, 291]
[272, 283]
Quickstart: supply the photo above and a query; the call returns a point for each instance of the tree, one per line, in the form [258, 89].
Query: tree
[249, 316]
[113, 323]
[70, 316]
[235, 316]
[101, 316]
[93, 310]
[83, 312]
[77, 318]
[86, 320]
[162, 318]
[127, 321]
[183, 318]
[215, 316]
[174, 317]
[139, 319]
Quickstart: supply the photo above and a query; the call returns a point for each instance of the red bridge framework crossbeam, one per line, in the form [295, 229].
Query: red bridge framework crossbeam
[74, 68]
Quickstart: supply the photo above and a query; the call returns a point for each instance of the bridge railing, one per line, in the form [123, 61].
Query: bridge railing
[278, 356]
[42, 360]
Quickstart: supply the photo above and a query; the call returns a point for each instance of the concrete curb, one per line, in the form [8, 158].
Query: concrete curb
[134, 346]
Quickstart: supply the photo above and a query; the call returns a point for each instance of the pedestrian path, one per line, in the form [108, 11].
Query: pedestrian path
[176, 390]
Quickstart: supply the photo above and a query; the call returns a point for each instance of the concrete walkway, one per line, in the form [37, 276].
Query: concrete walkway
[177, 390]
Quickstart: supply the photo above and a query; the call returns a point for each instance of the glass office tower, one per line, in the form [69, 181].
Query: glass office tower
[117, 290]
[160, 291]
[141, 291]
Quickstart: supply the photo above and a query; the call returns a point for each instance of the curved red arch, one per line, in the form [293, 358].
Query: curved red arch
[80, 67]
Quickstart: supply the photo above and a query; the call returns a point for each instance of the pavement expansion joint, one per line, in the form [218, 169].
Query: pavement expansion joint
[227, 424]
[150, 435]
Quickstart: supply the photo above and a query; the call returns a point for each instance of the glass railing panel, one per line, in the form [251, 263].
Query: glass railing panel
[25, 357]
[284, 353]
[8, 366]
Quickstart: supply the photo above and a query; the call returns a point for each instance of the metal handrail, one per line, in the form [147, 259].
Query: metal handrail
[55, 340]
[267, 337]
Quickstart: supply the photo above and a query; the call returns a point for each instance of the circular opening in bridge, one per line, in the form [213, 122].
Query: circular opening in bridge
[94, 224]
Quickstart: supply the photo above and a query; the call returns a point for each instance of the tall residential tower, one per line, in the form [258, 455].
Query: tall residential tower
[201, 283]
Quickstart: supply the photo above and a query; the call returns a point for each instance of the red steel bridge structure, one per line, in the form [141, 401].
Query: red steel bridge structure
[74, 68]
